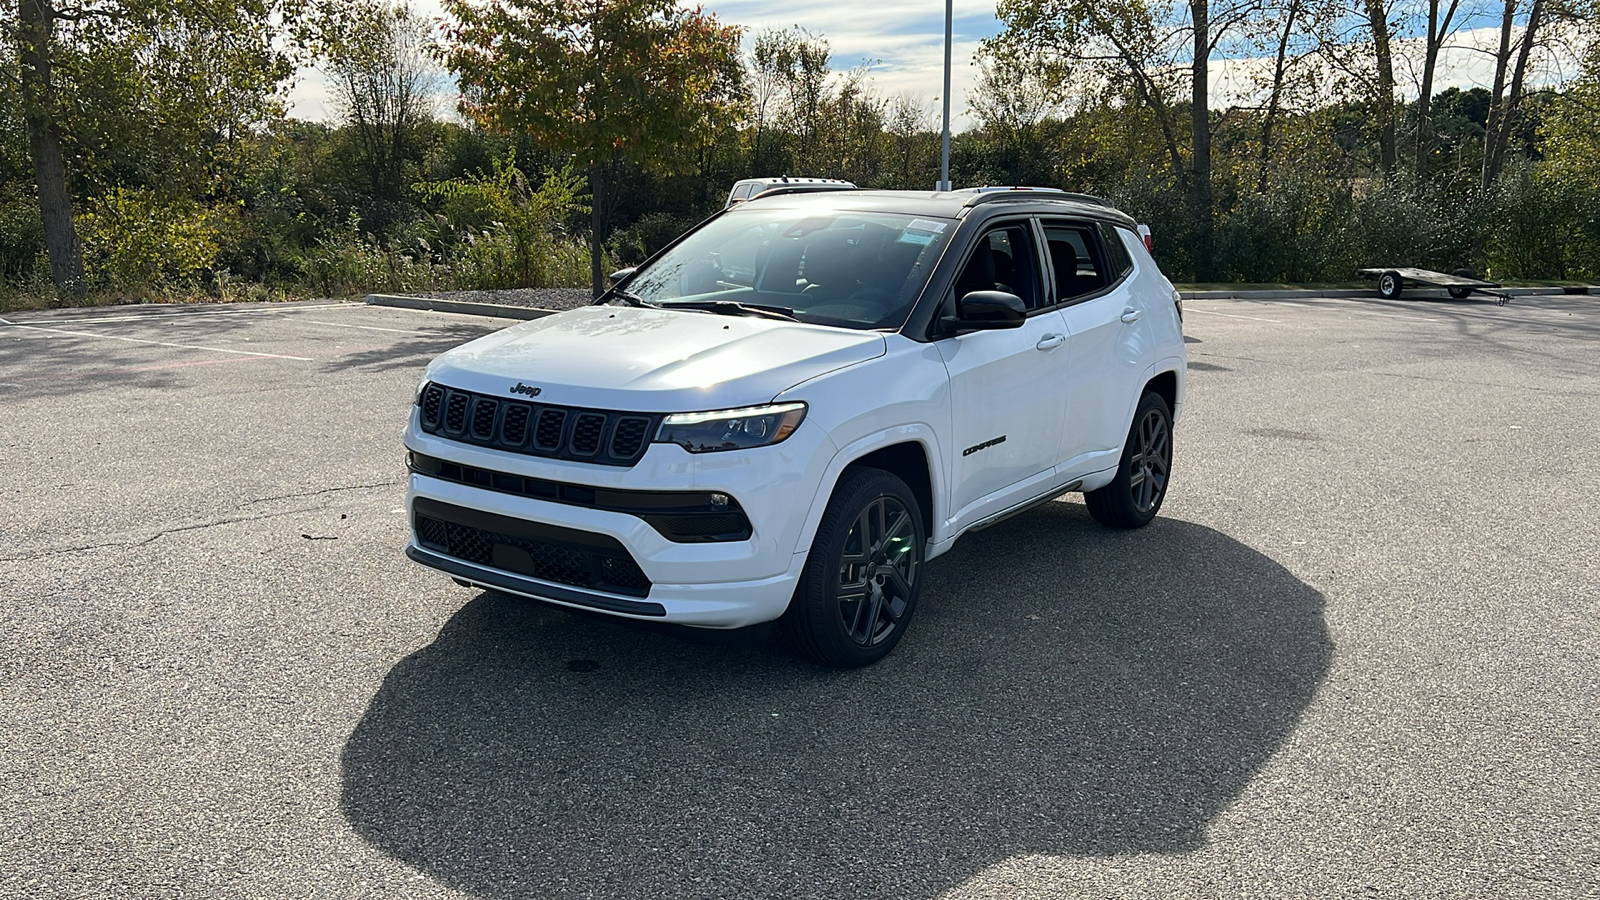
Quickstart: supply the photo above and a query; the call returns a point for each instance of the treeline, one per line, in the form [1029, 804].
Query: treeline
[145, 151]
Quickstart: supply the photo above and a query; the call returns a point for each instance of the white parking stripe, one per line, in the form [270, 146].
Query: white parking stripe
[113, 337]
[193, 314]
[370, 327]
[1231, 315]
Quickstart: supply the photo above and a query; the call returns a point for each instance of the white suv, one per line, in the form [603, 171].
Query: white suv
[793, 408]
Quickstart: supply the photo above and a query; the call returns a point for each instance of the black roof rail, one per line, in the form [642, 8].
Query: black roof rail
[991, 194]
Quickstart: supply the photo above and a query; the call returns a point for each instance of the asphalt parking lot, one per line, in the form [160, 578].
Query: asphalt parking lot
[1357, 655]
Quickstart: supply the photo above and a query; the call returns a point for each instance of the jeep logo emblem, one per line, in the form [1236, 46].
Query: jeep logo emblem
[530, 390]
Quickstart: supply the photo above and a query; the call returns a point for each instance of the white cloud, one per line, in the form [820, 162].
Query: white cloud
[903, 40]
[308, 97]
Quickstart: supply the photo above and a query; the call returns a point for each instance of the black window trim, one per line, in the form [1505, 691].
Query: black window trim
[922, 325]
[1092, 226]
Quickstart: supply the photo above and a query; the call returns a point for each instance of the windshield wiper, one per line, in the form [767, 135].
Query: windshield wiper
[735, 308]
[626, 296]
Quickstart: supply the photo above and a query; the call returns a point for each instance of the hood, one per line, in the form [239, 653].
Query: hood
[652, 360]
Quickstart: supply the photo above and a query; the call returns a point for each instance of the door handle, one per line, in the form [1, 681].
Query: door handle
[1050, 342]
[1131, 315]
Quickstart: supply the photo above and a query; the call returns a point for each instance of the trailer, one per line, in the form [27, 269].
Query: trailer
[1461, 283]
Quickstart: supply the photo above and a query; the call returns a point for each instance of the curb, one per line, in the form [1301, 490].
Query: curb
[1346, 293]
[1276, 294]
[461, 307]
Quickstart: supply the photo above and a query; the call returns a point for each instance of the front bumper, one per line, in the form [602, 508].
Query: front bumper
[722, 584]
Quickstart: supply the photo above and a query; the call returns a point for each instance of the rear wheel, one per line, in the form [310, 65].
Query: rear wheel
[861, 580]
[1461, 293]
[1389, 285]
[1134, 496]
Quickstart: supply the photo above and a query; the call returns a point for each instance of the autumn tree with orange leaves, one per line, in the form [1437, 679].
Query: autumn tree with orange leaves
[609, 81]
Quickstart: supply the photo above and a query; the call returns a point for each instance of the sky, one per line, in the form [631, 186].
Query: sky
[903, 42]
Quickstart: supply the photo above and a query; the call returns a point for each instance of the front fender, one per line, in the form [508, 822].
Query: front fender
[919, 433]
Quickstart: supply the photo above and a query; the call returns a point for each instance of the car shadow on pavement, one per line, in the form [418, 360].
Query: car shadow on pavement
[412, 353]
[1066, 689]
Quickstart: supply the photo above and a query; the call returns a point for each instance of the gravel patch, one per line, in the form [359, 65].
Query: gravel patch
[534, 298]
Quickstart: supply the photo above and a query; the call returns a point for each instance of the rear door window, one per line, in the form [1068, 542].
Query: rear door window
[1076, 259]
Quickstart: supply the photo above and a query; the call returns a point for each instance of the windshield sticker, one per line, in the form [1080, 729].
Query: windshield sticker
[926, 225]
[922, 238]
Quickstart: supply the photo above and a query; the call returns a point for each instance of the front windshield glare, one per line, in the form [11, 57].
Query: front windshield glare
[850, 269]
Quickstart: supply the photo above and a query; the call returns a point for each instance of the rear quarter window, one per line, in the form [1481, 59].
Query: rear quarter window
[1120, 261]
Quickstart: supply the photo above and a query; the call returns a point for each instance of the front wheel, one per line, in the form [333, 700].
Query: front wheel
[1134, 496]
[861, 580]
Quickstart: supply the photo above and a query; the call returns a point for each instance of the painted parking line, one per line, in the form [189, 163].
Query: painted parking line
[370, 327]
[126, 370]
[115, 337]
[1231, 315]
[197, 314]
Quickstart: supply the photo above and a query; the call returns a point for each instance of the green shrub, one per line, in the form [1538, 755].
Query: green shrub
[1539, 226]
[21, 238]
[496, 231]
[135, 239]
[350, 262]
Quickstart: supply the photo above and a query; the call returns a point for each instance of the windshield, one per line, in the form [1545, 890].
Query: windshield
[848, 269]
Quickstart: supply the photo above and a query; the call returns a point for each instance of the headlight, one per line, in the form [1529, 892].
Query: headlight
[731, 429]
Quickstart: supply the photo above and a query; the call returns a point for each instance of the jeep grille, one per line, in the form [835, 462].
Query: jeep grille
[591, 435]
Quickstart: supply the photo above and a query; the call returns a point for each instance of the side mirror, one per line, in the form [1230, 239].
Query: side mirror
[986, 310]
[621, 275]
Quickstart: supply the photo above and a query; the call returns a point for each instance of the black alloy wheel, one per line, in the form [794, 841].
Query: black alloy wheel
[1134, 495]
[860, 583]
[876, 571]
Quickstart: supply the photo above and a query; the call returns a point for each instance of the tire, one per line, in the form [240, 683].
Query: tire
[862, 577]
[1134, 496]
[1389, 285]
[1461, 293]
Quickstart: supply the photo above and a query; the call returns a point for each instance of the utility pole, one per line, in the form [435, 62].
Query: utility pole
[944, 153]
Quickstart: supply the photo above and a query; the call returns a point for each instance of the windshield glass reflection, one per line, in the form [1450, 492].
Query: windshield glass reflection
[848, 269]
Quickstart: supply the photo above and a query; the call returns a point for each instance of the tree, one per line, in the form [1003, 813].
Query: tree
[1011, 105]
[1572, 165]
[788, 72]
[1085, 46]
[384, 84]
[1382, 95]
[1440, 26]
[1010, 101]
[914, 144]
[1287, 22]
[140, 91]
[1510, 73]
[1136, 46]
[609, 81]
[35, 38]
